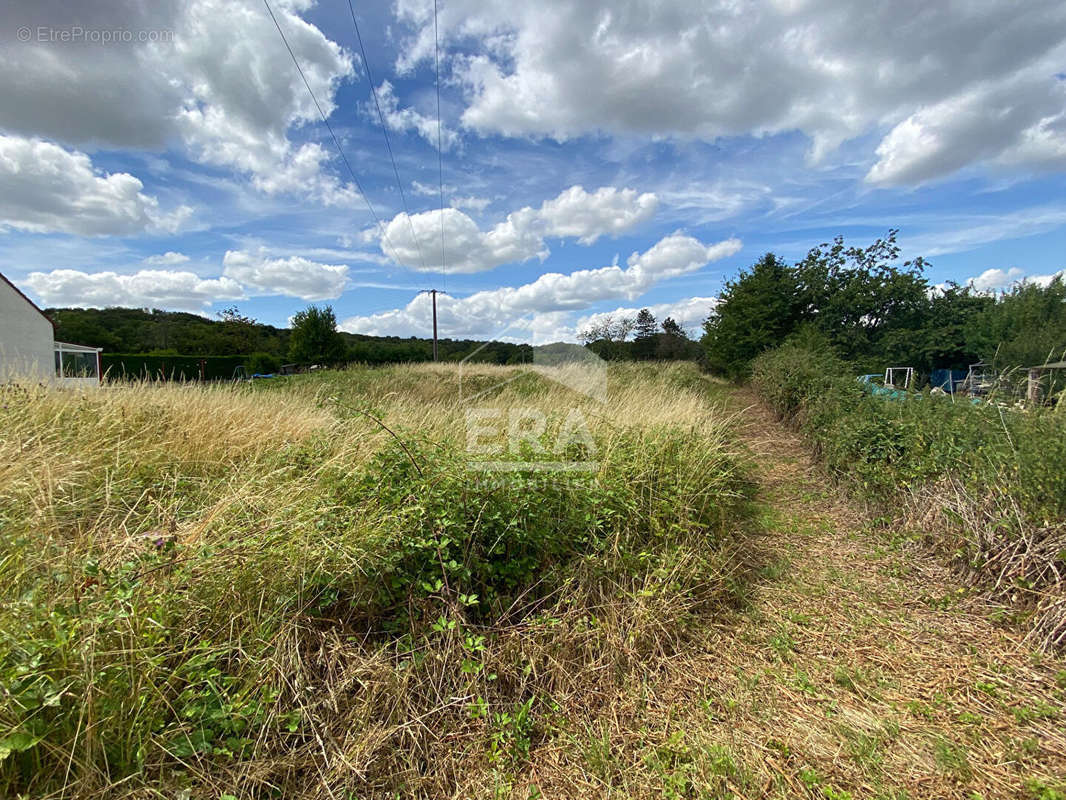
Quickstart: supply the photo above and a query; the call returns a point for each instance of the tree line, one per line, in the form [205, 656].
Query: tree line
[608, 337]
[313, 338]
[875, 312]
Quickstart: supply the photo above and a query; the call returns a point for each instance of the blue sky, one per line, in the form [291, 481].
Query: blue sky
[599, 157]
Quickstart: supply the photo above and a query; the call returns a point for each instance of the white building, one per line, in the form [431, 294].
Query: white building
[28, 348]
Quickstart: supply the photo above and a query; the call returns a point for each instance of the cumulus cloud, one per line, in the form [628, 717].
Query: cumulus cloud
[586, 217]
[48, 189]
[167, 259]
[495, 311]
[149, 288]
[244, 274]
[216, 80]
[961, 81]
[575, 213]
[294, 276]
[1018, 122]
[998, 279]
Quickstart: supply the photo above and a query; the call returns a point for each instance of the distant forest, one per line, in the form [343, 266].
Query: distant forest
[171, 333]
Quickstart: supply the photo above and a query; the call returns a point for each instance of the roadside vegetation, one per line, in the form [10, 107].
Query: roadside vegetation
[982, 481]
[983, 485]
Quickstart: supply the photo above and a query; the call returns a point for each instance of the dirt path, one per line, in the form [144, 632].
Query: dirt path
[881, 673]
[858, 669]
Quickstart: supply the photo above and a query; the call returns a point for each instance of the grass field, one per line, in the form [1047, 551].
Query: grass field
[342, 586]
[254, 592]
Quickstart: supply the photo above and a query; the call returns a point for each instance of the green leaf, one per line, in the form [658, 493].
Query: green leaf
[16, 742]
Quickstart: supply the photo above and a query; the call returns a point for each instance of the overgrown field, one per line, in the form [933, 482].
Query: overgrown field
[984, 483]
[305, 590]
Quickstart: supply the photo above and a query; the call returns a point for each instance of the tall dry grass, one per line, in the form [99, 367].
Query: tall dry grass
[303, 589]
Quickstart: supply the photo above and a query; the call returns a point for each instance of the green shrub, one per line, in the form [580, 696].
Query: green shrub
[987, 482]
[261, 364]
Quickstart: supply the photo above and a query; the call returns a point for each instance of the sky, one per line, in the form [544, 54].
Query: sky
[596, 157]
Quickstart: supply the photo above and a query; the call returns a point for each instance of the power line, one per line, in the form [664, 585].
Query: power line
[336, 142]
[385, 133]
[440, 152]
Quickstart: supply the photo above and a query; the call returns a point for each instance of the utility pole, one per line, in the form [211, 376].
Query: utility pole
[434, 293]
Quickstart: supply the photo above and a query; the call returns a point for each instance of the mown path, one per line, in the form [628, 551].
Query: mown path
[858, 669]
[864, 667]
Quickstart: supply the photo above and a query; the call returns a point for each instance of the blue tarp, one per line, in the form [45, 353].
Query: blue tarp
[947, 379]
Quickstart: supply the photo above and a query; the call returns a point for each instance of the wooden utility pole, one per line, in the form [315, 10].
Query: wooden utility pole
[434, 293]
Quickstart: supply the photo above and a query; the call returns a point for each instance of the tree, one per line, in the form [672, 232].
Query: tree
[240, 331]
[1023, 327]
[755, 312]
[941, 339]
[646, 329]
[262, 364]
[673, 343]
[860, 300]
[645, 325]
[671, 328]
[314, 337]
[607, 337]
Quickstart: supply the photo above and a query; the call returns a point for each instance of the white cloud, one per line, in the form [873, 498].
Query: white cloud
[178, 290]
[587, 217]
[705, 202]
[407, 119]
[428, 190]
[219, 83]
[574, 213]
[954, 234]
[294, 276]
[495, 311]
[244, 274]
[997, 279]
[965, 81]
[48, 189]
[167, 259]
[472, 202]
[1019, 122]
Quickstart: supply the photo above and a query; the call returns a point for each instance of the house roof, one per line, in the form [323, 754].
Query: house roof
[33, 305]
[1056, 365]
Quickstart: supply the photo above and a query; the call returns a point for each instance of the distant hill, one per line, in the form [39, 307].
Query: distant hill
[134, 330]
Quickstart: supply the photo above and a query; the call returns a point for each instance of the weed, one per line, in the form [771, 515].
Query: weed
[952, 758]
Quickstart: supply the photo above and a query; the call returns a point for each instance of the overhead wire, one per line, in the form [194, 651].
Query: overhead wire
[336, 142]
[385, 133]
[440, 150]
